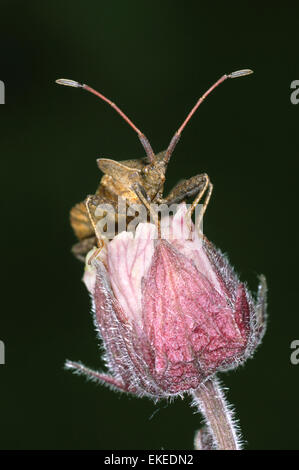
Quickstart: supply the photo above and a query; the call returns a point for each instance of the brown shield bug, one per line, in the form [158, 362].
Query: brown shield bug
[137, 180]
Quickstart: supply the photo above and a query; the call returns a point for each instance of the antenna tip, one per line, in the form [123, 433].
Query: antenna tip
[240, 73]
[67, 82]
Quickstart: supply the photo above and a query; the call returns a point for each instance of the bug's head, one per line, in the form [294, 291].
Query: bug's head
[153, 174]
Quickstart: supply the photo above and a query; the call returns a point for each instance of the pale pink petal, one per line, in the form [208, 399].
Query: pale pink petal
[89, 276]
[188, 242]
[129, 258]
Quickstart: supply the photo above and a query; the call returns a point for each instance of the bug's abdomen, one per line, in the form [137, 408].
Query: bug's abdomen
[80, 221]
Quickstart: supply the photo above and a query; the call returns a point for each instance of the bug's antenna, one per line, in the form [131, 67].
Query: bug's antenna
[177, 135]
[144, 141]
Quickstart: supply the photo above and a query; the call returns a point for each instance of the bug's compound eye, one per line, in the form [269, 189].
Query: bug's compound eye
[145, 172]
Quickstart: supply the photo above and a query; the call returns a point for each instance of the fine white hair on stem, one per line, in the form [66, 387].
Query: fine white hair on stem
[219, 416]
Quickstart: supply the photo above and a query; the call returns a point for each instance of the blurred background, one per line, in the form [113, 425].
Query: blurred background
[154, 59]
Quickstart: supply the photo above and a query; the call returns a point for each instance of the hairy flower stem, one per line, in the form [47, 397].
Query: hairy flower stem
[210, 400]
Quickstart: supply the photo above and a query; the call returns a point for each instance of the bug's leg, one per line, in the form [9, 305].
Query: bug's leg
[208, 189]
[84, 220]
[185, 189]
[100, 239]
[197, 185]
[83, 229]
[141, 193]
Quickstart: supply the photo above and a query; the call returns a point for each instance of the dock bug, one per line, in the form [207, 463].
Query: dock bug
[136, 180]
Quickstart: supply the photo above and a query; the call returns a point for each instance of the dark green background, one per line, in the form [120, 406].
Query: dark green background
[154, 59]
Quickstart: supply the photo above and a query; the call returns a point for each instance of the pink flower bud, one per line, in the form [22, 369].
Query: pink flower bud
[171, 311]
